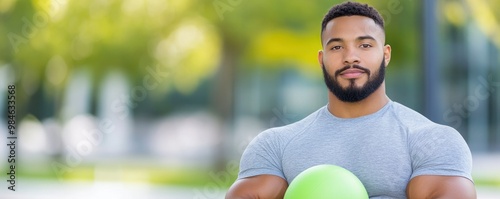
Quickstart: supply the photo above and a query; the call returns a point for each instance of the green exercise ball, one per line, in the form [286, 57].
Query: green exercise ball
[326, 182]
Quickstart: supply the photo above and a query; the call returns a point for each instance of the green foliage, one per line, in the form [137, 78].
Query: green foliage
[105, 36]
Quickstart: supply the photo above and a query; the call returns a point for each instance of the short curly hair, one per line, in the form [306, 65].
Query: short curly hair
[352, 8]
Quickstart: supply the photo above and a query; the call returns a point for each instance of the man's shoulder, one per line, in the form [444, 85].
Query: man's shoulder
[410, 118]
[417, 123]
[408, 115]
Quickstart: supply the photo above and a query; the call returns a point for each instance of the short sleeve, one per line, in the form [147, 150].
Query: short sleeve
[262, 156]
[440, 150]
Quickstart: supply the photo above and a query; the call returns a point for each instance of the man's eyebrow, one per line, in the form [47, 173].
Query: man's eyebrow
[333, 40]
[365, 37]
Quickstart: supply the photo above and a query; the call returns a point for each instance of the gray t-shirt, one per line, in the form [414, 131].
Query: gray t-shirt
[384, 149]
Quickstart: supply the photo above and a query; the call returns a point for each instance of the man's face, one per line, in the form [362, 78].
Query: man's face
[353, 57]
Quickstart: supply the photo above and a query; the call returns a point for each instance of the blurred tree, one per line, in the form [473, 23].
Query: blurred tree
[136, 37]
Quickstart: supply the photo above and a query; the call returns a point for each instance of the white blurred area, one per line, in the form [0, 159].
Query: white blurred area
[38, 140]
[189, 138]
[118, 134]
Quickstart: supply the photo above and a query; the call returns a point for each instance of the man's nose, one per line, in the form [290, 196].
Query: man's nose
[350, 57]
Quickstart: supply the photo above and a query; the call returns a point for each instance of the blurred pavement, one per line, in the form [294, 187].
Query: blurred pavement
[105, 190]
[75, 190]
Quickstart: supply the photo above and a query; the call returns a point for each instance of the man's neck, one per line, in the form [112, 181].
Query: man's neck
[369, 105]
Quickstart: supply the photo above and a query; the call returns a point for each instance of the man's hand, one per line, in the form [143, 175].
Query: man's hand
[434, 187]
[261, 186]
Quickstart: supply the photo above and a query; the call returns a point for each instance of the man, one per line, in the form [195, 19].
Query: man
[393, 150]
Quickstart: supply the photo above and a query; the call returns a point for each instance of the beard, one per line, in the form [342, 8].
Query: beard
[353, 93]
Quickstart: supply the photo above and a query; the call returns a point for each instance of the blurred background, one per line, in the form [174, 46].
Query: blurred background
[159, 98]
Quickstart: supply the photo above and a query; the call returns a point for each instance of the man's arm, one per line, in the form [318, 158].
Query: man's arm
[437, 187]
[256, 187]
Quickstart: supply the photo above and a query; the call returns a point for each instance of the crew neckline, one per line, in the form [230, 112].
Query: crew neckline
[364, 117]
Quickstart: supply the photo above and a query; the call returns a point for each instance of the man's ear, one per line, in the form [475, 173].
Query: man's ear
[320, 58]
[387, 54]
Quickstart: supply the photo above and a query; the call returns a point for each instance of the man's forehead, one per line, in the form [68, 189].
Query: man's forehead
[353, 26]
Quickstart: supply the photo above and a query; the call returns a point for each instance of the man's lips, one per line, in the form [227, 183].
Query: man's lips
[351, 73]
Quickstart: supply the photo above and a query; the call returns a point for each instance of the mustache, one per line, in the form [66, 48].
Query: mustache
[337, 73]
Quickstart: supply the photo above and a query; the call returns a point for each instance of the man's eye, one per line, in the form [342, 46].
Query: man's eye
[366, 45]
[336, 48]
